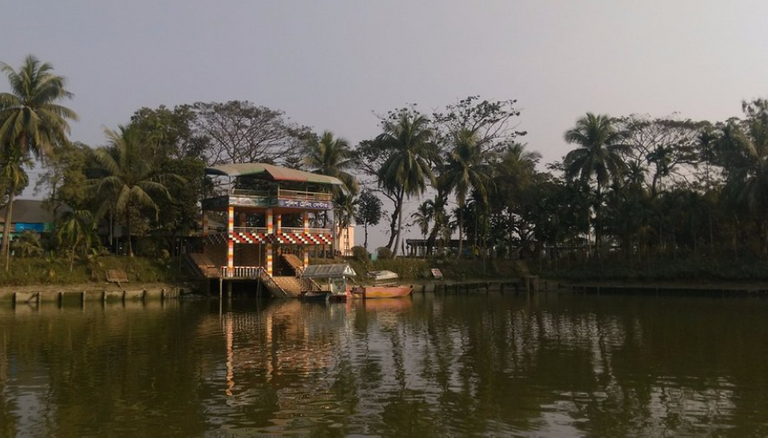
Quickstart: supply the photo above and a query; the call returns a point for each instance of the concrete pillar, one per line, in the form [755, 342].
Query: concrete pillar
[305, 249]
[269, 222]
[269, 258]
[279, 223]
[230, 240]
[205, 224]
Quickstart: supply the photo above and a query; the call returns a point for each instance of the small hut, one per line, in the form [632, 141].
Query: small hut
[331, 278]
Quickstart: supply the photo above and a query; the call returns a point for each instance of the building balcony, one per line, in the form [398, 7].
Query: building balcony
[297, 200]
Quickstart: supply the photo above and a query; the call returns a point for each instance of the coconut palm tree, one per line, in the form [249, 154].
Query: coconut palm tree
[344, 212]
[423, 216]
[743, 152]
[77, 229]
[130, 182]
[598, 155]
[331, 156]
[408, 168]
[466, 171]
[31, 120]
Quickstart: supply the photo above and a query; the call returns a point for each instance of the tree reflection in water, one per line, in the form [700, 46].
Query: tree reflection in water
[426, 366]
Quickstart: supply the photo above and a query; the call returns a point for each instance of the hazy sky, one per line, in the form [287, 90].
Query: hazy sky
[332, 64]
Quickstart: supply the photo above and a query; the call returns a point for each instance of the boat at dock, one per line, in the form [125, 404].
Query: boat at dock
[384, 286]
[315, 296]
[330, 279]
[368, 292]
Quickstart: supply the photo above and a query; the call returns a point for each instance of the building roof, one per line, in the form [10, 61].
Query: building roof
[28, 211]
[336, 270]
[270, 172]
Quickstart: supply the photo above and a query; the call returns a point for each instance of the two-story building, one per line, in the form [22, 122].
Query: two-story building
[276, 217]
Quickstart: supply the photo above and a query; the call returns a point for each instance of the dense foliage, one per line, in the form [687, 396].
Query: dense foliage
[641, 189]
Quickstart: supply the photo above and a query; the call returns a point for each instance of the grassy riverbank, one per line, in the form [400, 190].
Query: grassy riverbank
[57, 271]
[695, 270]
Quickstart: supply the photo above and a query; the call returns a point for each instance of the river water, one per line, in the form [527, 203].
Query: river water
[551, 365]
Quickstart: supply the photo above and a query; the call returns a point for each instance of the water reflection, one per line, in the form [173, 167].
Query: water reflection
[429, 366]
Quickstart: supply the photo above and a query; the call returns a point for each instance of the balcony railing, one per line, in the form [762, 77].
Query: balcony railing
[240, 272]
[283, 230]
[303, 195]
[301, 230]
[282, 194]
[250, 230]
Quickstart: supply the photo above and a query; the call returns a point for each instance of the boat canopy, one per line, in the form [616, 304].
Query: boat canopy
[271, 172]
[337, 270]
[382, 275]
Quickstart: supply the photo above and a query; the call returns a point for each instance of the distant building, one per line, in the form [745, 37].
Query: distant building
[28, 215]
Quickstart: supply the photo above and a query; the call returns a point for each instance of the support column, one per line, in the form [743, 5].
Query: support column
[305, 248]
[205, 223]
[230, 241]
[270, 231]
[278, 223]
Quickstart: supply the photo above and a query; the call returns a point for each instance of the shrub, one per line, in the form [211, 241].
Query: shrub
[360, 253]
[384, 253]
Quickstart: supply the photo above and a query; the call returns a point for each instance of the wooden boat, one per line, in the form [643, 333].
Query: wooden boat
[315, 296]
[385, 286]
[369, 292]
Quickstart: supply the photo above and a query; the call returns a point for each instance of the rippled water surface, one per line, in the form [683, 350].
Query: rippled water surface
[552, 365]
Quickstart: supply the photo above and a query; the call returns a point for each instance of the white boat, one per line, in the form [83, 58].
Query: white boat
[383, 277]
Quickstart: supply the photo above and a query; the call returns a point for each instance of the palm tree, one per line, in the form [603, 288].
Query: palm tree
[408, 168]
[423, 216]
[344, 212]
[77, 229]
[129, 182]
[743, 152]
[31, 122]
[467, 171]
[331, 156]
[599, 155]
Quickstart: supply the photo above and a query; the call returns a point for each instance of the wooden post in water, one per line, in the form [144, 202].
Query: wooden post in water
[82, 299]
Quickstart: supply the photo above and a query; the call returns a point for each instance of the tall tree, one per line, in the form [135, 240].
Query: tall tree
[130, 182]
[241, 132]
[598, 155]
[31, 120]
[408, 168]
[368, 211]
[467, 170]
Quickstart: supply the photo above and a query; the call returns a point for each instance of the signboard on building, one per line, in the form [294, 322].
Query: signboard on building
[305, 204]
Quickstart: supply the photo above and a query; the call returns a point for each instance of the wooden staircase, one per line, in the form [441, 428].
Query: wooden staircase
[293, 261]
[290, 285]
[200, 265]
